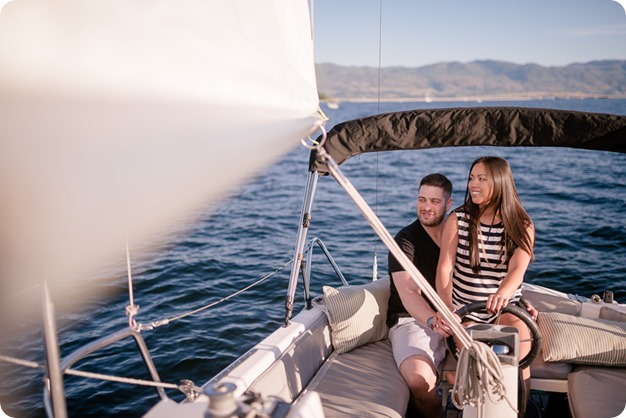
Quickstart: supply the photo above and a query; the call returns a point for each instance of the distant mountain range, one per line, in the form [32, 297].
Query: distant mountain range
[473, 81]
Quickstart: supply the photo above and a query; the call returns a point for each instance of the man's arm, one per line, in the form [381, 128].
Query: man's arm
[411, 296]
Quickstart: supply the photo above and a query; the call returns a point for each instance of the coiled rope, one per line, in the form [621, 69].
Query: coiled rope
[478, 378]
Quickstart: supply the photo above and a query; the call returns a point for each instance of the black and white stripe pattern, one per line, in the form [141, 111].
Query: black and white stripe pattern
[468, 287]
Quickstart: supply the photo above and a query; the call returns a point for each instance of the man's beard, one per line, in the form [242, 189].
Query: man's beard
[433, 221]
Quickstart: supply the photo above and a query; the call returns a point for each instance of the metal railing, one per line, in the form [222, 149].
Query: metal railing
[88, 349]
[305, 267]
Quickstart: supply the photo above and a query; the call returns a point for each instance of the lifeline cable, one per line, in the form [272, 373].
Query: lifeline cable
[100, 376]
[162, 322]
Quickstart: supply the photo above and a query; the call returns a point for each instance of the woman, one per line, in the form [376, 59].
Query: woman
[487, 245]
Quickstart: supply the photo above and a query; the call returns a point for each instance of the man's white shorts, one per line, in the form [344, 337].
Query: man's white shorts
[409, 338]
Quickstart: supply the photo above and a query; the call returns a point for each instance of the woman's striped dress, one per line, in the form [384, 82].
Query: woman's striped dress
[468, 287]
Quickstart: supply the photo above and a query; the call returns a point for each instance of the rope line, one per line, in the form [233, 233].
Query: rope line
[128, 380]
[478, 380]
[387, 239]
[162, 322]
[380, 63]
[20, 362]
[380, 50]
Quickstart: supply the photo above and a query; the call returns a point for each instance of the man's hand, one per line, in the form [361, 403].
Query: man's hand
[440, 325]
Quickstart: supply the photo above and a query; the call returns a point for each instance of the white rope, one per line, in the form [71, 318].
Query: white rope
[128, 380]
[478, 377]
[20, 362]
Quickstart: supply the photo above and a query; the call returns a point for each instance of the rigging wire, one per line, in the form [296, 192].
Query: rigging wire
[380, 60]
[98, 376]
[131, 309]
[380, 51]
[162, 322]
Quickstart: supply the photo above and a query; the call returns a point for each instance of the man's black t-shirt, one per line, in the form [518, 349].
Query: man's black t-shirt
[415, 242]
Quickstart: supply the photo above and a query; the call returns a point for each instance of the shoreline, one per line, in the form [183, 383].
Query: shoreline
[483, 98]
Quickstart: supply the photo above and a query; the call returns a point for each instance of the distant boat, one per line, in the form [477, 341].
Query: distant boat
[333, 104]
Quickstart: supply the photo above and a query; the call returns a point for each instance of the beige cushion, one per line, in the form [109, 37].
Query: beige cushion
[363, 383]
[582, 340]
[357, 314]
[597, 392]
[539, 369]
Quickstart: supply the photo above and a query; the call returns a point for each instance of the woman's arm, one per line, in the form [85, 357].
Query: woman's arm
[518, 264]
[447, 258]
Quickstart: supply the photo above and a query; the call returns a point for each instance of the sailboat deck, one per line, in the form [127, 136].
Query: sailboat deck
[364, 382]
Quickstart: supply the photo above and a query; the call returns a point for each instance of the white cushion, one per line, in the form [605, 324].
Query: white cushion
[363, 383]
[357, 314]
[580, 340]
[597, 392]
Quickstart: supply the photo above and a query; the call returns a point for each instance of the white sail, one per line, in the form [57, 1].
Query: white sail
[120, 116]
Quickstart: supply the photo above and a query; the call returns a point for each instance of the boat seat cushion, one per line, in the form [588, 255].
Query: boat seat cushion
[539, 369]
[597, 392]
[357, 314]
[579, 340]
[364, 382]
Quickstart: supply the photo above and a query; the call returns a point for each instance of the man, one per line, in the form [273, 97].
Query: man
[417, 349]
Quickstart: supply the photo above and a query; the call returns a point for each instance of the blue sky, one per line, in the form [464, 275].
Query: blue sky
[422, 32]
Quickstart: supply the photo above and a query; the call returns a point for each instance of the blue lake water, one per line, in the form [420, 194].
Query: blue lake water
[576, 199]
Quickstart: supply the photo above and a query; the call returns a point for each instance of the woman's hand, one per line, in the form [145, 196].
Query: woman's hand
[534, 313]
[496, 302]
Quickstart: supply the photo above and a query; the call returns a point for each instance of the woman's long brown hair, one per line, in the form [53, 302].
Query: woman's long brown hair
[505, 201]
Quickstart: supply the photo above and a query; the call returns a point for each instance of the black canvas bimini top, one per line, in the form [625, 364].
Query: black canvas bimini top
[455, 127]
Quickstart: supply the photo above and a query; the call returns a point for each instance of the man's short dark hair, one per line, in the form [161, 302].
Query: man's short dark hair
[438, 180]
